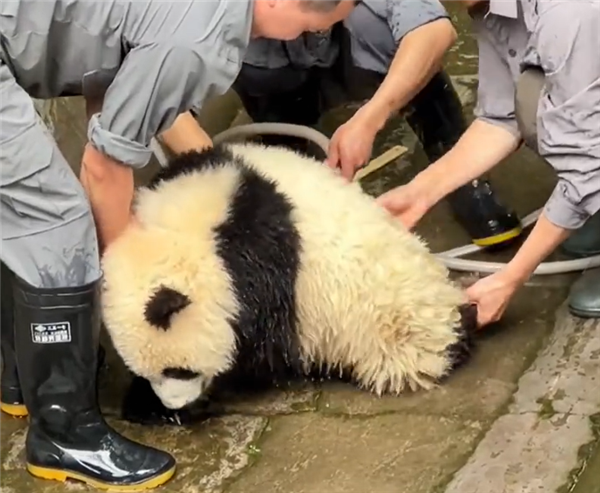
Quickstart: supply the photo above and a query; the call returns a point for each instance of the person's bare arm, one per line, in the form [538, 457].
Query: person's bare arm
[418, 58]
[544, 238]
[185, 135]
[492, 137]
[423, 34]
[157, 82]
[480, 148]
[109, 186]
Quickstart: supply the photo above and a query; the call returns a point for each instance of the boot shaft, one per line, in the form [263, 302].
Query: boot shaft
[57, 337]
[10, 391]
[436, 116]
[6, 309]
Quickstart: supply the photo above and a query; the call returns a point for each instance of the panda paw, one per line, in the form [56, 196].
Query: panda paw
[142, 406]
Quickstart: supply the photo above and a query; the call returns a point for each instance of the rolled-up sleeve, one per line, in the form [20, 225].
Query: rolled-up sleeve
[496, 88]
[569, 110]
[156, 83]
[406, 15]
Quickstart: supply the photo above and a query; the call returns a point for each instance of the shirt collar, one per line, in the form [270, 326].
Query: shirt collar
[505, 8]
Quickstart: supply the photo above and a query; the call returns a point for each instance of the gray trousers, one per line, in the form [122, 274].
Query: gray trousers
[48, 233]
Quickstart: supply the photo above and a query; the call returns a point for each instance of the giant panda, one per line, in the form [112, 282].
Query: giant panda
[262, 263]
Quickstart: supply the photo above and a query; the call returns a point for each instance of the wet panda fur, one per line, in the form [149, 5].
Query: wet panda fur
[256, 264]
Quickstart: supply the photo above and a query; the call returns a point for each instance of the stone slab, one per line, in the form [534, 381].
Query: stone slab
[208, 456]
[311, 453]
[524, 454]
[565, 378]
[547, 438]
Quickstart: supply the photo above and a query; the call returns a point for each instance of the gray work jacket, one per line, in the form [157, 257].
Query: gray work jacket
[154, 59]
[563, 39]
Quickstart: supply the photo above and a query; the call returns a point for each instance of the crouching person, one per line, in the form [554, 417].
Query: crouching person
[544, 90]
[389, 52]
[150, 62]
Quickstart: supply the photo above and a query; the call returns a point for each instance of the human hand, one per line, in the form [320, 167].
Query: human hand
[406, 203]
[492, 295]
[351, 145]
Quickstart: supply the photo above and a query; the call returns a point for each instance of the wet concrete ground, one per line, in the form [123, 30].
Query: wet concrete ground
[523, 417]
[517, 419]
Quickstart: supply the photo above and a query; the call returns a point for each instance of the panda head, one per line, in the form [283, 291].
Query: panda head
[167, 305]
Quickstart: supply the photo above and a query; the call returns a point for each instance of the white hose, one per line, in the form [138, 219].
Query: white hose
[450, 257]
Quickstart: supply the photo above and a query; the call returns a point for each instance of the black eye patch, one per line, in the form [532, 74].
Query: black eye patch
[163, 304]
[180, 374]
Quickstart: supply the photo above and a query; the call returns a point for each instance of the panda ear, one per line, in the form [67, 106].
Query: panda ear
[164, 303]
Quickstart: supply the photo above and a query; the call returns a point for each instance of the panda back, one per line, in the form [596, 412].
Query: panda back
[361, 271]
[331, 214]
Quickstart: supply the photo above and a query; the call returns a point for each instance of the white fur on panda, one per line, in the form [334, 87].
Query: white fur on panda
[370, 296]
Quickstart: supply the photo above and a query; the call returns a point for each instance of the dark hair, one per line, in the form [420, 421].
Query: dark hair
[323, 5]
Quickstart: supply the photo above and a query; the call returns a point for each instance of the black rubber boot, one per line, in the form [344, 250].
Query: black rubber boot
[436, 117]
[57, 337]
[11, 399]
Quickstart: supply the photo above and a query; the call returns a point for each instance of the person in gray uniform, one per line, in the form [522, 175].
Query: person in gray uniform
[389, 52]
[542, 88]
[150, 62]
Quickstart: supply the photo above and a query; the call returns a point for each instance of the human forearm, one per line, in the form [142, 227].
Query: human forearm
[542, 241]
[492, 294]
[481, 147]
[418, 58]
[185, 135]
[109, 187]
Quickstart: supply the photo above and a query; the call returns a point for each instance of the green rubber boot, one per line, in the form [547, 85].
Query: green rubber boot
[584, 298]
[584, 242]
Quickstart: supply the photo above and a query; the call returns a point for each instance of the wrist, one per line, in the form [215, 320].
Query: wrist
[427, 185]
[515, 274]
[185, 135]
[544, 238]
[374, 115]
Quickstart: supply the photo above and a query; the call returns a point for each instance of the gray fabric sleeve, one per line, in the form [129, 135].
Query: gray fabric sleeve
[496, 88]
[406, 15]
[569, 111]
[156, 83]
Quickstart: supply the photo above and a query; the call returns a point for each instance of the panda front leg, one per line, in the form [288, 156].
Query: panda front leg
[142, 406]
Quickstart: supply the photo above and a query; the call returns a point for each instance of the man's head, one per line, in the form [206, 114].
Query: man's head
[288, 19]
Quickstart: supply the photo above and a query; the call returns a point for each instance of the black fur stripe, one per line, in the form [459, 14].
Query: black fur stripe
[190, 162]
[260, 247]
[461, 351]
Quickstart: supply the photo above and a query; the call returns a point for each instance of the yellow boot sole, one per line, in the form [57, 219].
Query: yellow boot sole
[15, 410]
[60, 475]
[501, 238]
